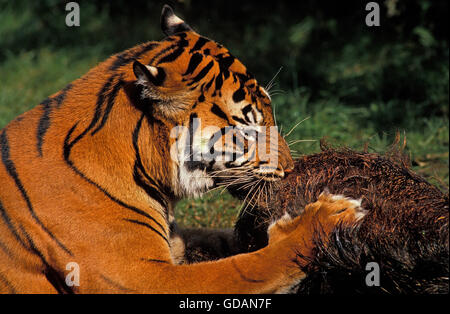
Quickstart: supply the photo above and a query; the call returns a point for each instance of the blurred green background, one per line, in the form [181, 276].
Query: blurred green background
[345, 81]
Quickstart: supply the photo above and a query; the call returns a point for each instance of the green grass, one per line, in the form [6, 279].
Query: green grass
[33, 75]
[215, 209]
[352, 89]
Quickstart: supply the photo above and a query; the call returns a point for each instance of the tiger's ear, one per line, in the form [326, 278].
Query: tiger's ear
[172, 24]
[148, 74]
[154, 84]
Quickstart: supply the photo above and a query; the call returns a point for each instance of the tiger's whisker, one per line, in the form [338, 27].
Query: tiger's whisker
[293, 128]
[300, 141]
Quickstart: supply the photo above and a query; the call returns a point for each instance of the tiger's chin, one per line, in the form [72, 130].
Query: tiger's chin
[193, 182]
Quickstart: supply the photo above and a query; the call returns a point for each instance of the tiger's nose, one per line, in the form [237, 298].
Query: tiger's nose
[281, 171]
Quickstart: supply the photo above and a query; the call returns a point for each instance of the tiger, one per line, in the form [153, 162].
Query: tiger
[90, 177]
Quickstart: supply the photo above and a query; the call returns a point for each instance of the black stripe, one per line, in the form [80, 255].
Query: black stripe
[239, 95]
[234, 155]
[219, 82]
[219, 112]
[225, 62]
[150, 187]
[246, 109]
[97, 113]
[44, 121]
[149, 227]
[59, 99]
[243, 78]
[202, 73]
[192, 165]
[57, 280]
[11, 227]
[208, 85]
[172, 56]
[111, 98]
[102, 93]
[190, 139]
[115, 284]
[226, 74]
[8, 284]
[182, 42]
[11, 169]
[67, 149]
[235, 78]
[242, 275]
[155, 260]
[30, 246]
[215, 137]
[50, 273]
[195, 60]
[163, 51]
[199, 44]
[120, 60]
[126, 57]
[242, 121]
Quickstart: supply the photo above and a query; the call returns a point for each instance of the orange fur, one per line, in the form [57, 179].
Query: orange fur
[87, 177]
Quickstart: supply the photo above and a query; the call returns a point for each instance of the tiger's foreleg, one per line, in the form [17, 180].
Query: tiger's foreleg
[271, 269]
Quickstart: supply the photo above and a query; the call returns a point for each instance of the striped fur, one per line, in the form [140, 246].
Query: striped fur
[88, 176]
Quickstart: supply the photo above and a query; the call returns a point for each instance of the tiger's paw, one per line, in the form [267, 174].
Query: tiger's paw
[294, 240]
[338, 208]
[329, 211]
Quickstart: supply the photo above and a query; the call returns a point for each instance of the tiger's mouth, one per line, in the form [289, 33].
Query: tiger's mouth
[254, 183]
[245, 179]
[270, 174]
[253, 189]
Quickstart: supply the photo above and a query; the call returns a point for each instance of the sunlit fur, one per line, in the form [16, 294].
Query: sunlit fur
[87, 176]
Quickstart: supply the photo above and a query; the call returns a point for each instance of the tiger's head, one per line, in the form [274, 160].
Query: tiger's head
[223, 130]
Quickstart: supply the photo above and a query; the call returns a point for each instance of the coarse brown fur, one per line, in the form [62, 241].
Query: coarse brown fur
[405, 229]
[88, 177]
